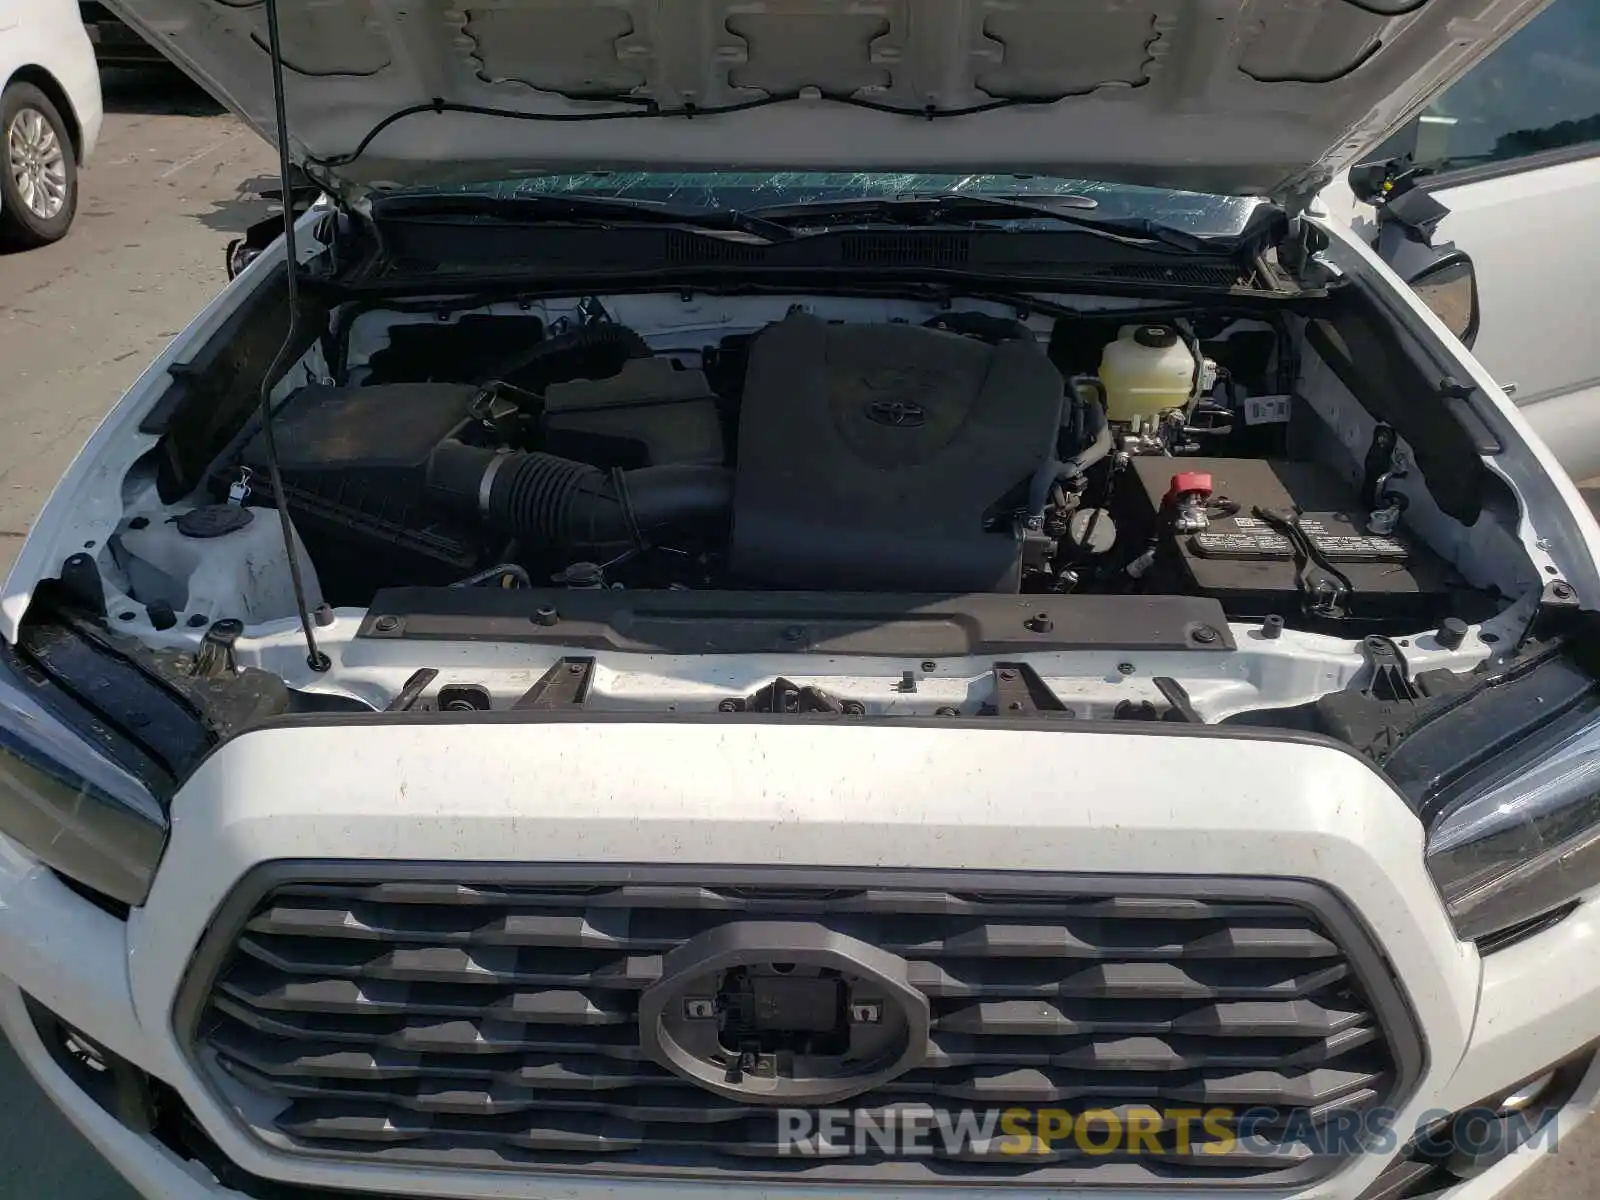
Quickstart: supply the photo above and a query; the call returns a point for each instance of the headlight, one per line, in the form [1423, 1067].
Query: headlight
[1520, 837]
[69, 806]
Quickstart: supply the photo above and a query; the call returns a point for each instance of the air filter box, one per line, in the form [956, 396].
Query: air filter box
[354, 463]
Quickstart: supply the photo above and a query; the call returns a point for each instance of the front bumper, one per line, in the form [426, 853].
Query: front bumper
[732, 794]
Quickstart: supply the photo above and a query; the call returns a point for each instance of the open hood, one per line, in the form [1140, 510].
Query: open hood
[1266, 97]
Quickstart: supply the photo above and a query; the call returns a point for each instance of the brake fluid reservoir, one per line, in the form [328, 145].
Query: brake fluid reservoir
[1146, 371]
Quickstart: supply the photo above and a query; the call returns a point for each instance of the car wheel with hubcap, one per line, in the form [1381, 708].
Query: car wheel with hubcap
[39, 185]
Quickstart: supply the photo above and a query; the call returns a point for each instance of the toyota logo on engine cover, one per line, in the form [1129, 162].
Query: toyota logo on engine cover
[901, 414]
[774, 1012]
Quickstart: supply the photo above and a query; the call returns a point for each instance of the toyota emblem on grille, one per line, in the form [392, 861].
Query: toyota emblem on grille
[772, 1012]
[900, 414]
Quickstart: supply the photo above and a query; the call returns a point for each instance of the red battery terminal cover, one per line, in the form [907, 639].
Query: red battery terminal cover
[1189, 483]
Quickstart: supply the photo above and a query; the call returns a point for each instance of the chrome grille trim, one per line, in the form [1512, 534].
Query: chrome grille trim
[401, 1016]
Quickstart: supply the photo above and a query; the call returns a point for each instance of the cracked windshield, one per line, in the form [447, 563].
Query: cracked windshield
[1193, 212]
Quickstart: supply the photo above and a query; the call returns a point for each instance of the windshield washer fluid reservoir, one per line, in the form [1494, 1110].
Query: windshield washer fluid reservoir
[1146, 371]
[216, 561]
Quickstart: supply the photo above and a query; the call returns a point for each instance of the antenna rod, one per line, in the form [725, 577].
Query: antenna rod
[315, 659]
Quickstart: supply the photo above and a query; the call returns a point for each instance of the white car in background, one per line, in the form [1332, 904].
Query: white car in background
[1513, 151]
[49, 117]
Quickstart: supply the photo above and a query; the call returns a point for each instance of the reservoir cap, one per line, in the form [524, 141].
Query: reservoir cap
[1157, 337]
[214, 520]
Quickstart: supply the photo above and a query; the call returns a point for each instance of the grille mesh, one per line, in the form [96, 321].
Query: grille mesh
[497, 1025]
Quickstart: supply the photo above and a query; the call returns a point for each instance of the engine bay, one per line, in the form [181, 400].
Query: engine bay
[887, 502]
[821, 445]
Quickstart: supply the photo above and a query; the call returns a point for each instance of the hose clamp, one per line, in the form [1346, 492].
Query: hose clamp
[486, 484]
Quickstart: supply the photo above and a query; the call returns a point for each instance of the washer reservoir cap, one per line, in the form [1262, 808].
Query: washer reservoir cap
[214, 521]
[1157, 337]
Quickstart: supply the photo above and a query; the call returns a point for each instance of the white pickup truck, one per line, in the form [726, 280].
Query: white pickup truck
[785, 599]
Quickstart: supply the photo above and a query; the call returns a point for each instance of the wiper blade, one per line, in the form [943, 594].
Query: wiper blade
[536, 207]
[932, 208]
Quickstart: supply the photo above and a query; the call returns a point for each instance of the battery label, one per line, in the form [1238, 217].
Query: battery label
[1344, 543]
[1250, 538]
[1242, 545]
[1361, 548]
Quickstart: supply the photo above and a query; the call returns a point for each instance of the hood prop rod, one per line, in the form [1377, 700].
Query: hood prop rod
[315, 658]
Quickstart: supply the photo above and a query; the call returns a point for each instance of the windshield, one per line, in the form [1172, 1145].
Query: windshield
[1193, 212]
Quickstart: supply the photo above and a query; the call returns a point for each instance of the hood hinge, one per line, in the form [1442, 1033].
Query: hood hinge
[1302, 240]
[1300, 244]
[1296, 200]
[1300, 197]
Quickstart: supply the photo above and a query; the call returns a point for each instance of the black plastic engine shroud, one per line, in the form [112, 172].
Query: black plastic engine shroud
[870, 456]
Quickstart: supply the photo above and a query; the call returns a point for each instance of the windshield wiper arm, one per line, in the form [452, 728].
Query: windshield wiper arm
[954, 206]
[535, 207]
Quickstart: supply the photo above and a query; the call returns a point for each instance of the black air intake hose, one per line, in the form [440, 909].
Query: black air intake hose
[546, 500]
[593, 352]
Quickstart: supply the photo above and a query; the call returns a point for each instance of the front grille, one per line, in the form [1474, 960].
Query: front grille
[495, 1023]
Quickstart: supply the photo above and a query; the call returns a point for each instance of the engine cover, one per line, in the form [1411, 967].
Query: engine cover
[871, 455]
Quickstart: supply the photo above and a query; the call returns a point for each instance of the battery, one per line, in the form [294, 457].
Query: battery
[1251, 568]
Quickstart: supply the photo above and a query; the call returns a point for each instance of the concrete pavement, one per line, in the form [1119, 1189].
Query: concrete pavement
[173, 182]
